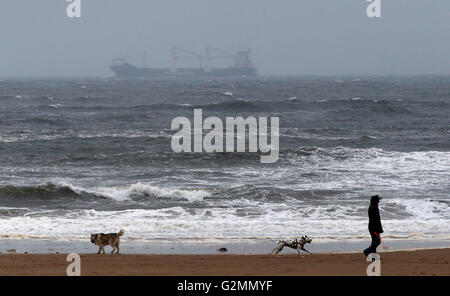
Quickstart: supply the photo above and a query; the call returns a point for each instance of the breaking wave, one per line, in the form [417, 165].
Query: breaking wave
[63, 190]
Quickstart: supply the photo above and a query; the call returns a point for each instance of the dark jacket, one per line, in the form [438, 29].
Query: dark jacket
[374, 219]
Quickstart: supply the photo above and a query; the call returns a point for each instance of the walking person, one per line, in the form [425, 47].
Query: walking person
[375, 228]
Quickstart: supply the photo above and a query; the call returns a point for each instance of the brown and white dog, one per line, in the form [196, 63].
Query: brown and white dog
[102, 240]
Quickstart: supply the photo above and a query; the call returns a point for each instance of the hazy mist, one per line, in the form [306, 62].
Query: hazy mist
[288, 37]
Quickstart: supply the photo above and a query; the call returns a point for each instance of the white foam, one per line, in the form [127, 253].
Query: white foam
[424, 209]
[338, 168]
[178, 223]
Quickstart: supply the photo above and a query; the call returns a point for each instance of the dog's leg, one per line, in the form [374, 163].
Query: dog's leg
[306, 251]
[273, 251]
[99, 249]
[118, 248]
[279, 249]
[103, 250]
[113, 249]
[298, 251]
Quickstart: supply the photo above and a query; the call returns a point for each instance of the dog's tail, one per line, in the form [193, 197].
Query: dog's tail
[120, 233]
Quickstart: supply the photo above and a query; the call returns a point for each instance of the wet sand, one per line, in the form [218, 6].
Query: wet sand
[413, 263]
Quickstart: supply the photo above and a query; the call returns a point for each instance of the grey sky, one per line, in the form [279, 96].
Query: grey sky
[287, 36]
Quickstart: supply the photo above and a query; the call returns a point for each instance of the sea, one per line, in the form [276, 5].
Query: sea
[81, 156]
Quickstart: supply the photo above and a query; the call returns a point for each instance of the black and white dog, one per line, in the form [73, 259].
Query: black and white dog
[298, 244]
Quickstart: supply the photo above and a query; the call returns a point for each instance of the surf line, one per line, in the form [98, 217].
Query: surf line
[235, 128]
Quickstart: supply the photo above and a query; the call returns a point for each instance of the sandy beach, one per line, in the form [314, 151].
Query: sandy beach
[396, 263]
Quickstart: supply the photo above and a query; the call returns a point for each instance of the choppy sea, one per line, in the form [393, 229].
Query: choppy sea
[85, 156]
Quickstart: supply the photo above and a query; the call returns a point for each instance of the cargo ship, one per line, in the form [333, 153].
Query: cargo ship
[242, 65]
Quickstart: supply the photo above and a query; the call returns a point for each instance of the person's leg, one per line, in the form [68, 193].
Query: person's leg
[375, 243]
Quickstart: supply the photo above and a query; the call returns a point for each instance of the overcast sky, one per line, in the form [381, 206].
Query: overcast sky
[288, 37]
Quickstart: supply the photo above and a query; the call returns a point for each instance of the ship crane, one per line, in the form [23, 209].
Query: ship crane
[219, 54]
[181, 53]
[241, 58]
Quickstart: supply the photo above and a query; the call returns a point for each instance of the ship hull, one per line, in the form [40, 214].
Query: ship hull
[129, 71]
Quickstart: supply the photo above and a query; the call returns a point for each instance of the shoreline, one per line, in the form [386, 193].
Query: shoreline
[207, 247]
[396, 263]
